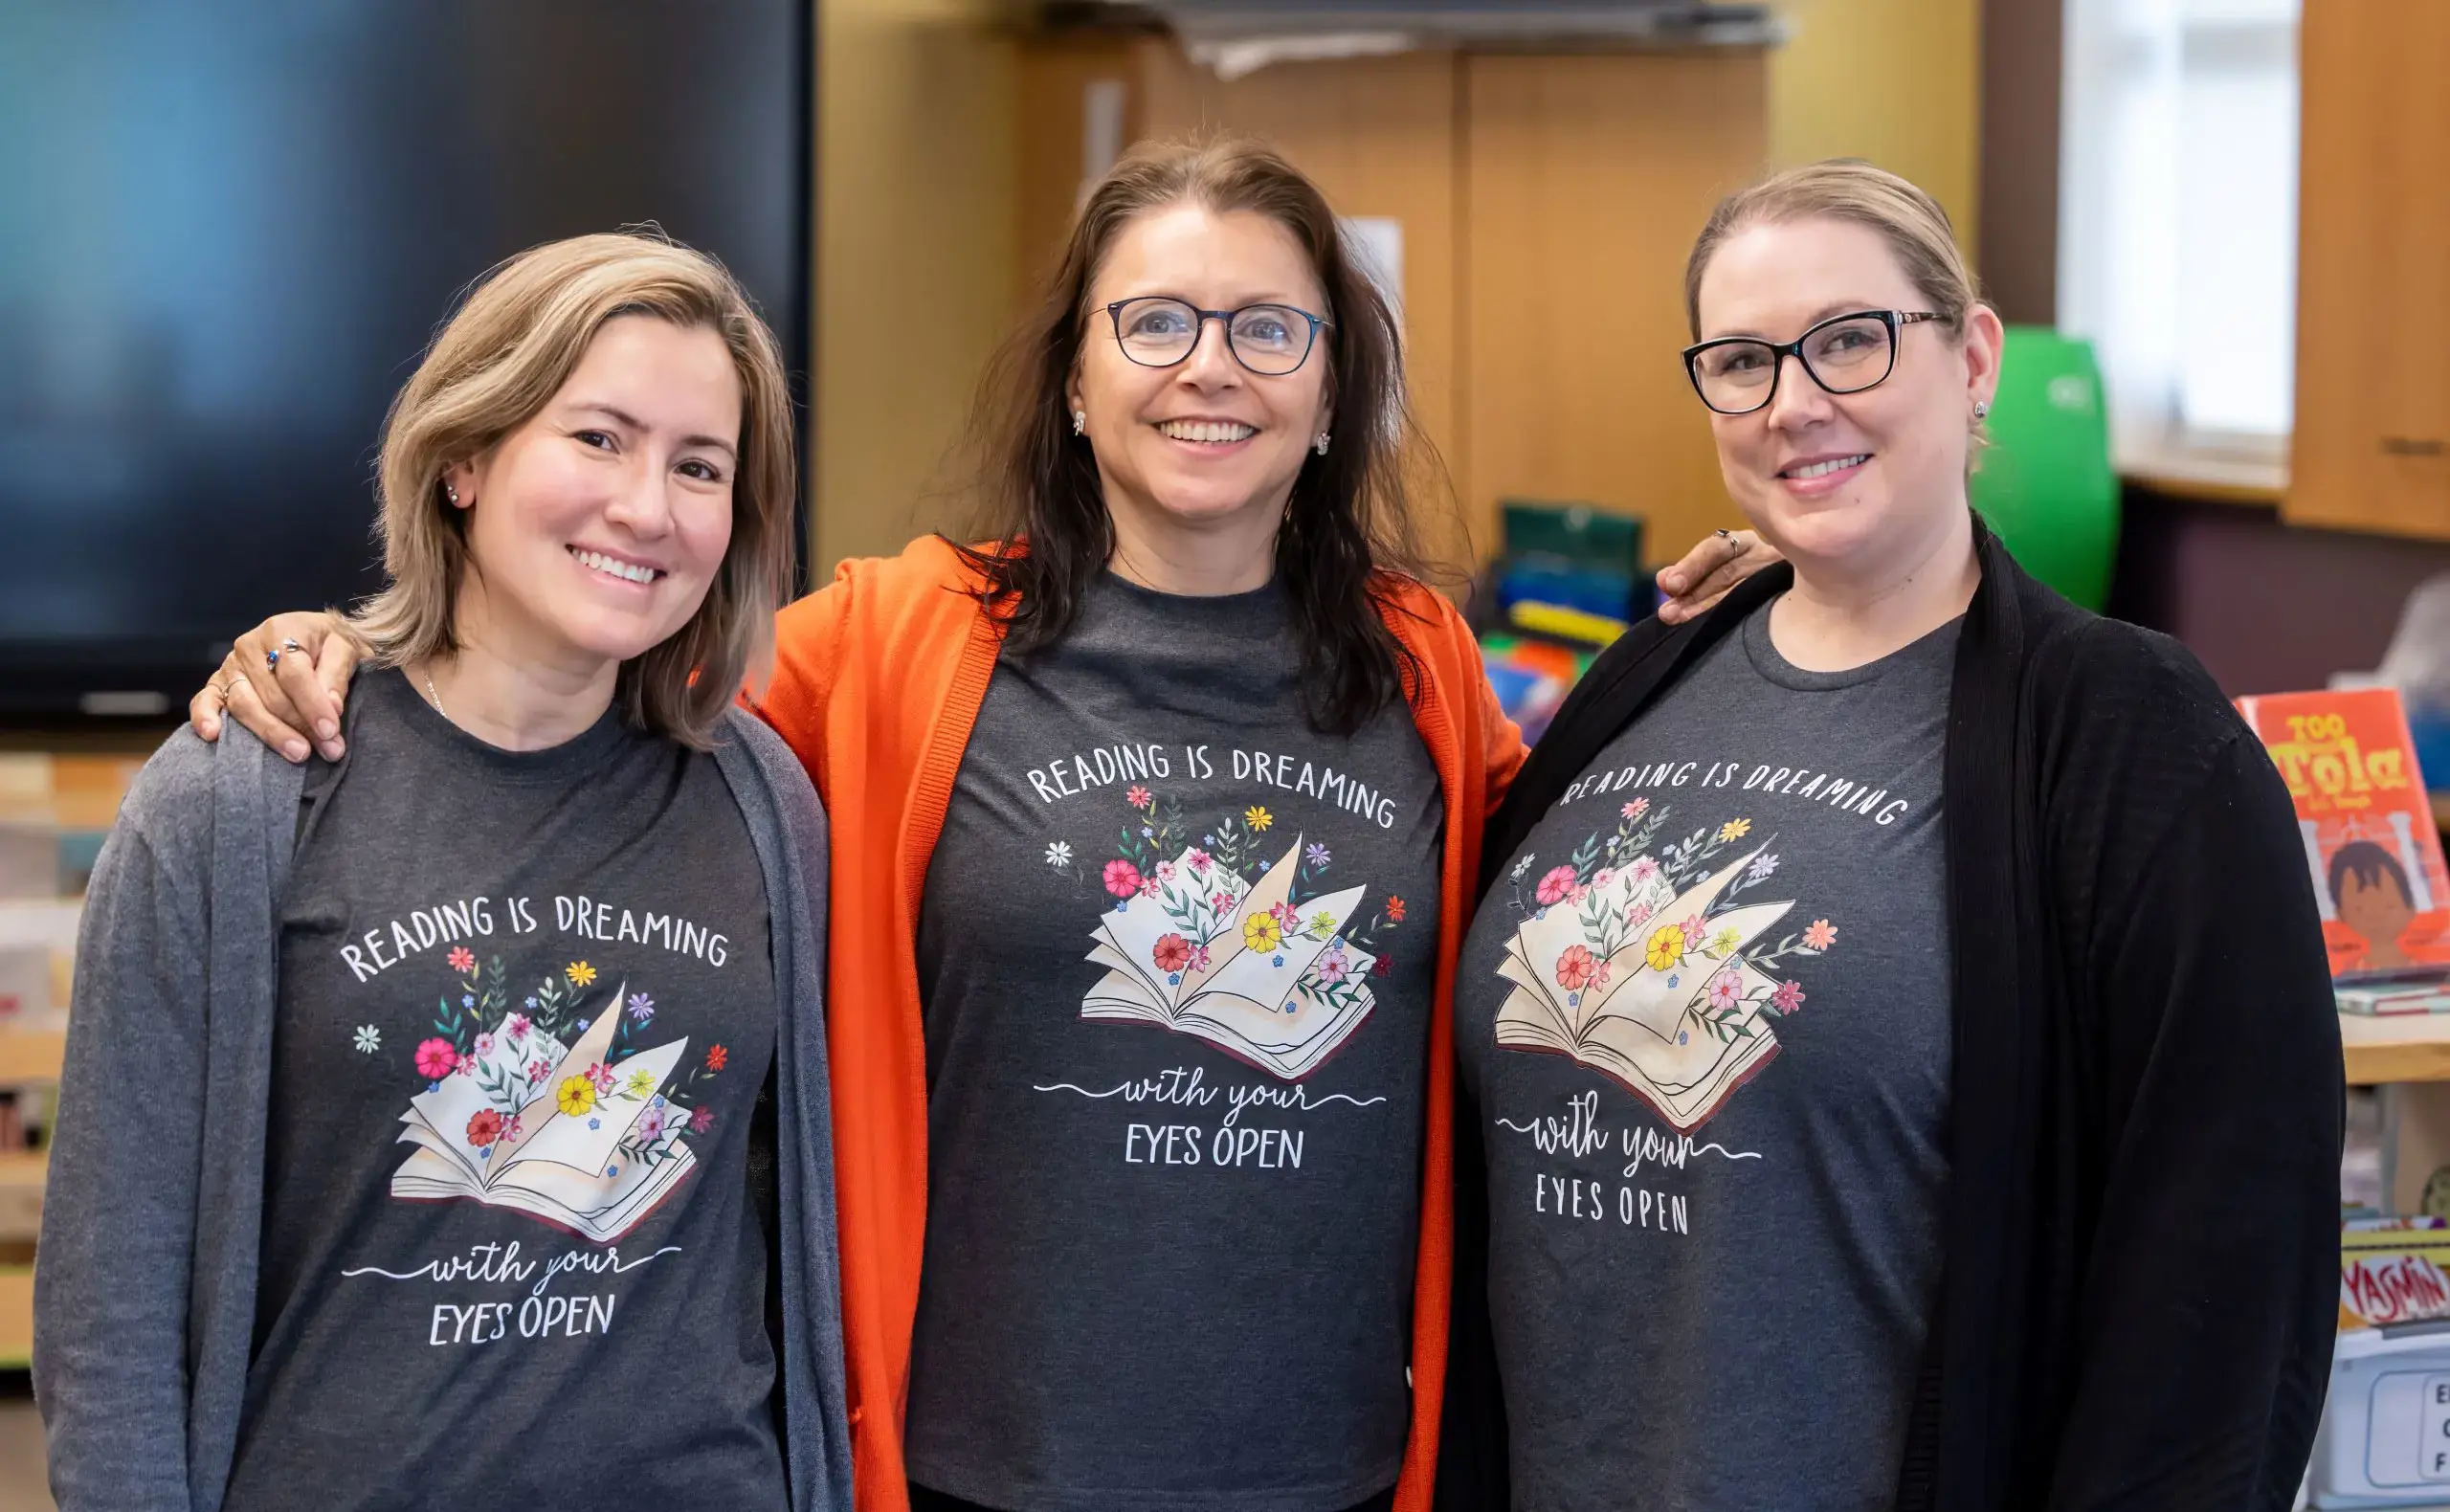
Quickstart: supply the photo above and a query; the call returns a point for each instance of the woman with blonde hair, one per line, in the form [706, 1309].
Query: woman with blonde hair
[1155, 815]
[1896, 1018]
[446, 1123]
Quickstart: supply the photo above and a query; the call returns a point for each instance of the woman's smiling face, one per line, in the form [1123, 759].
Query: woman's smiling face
[1839, 479]
[1205, 442]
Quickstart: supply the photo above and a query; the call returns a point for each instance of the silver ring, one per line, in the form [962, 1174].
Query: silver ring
[291, 645]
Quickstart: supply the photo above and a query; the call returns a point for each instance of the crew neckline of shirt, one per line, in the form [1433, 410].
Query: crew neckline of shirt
[1763, 652]
[574, 757]
[1259, 613]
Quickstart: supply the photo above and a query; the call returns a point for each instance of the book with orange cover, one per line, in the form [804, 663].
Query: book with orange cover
[2368, 827]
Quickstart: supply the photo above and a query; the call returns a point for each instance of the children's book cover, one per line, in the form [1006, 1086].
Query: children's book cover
[2368, 827]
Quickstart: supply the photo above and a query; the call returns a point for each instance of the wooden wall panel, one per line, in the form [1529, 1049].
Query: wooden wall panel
[1586, 181]
[1056, 78]
[2372, 449]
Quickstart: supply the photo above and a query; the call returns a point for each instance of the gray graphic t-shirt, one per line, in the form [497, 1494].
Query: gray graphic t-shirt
[1177, 952]
[1705, 1016]
[509, 1255]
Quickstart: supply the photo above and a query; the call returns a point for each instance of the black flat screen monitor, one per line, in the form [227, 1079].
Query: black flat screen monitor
[227, 232]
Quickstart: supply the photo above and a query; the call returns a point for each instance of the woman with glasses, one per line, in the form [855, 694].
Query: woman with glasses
[1895, 1027]
[1152, 825]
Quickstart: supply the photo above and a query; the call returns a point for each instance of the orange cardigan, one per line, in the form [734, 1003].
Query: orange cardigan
[878, 681]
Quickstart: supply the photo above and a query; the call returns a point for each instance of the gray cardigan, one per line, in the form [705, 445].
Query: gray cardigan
[144, 1291]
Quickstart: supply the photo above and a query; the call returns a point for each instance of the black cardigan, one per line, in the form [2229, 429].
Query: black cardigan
[2141, 1228]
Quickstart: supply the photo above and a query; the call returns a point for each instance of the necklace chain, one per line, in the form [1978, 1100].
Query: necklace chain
[435, 696]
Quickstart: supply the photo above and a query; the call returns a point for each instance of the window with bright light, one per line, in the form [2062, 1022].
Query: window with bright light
[2177, 239]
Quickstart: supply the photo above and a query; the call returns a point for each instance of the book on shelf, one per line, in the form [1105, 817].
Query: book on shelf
[2369, 833]
[2391, 999]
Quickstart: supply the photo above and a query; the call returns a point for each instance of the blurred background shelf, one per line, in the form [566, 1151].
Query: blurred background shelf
[2379, 1051]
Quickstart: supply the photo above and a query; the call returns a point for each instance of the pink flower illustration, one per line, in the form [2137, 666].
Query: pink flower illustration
[1637, 914]
[1695, 932]
[1787, 997]
[510, 1130]
[460, 960]
[1575, 968]
[1603, 877]
[1821, 936]
[434, 1059]
[1137, 797]
[1577, 893]
[1123, 879]
[1165, 871]
[1333, 967]
[1199, 957]
[1199, 860]
[1636, 809]
[1554, 886]
[1643, 871]
[650, 1125]
[1148, 887]
[1221, 902]
[1600, 977]
[484, 1126]
[536, 1068]
[485, 1046]
[701, 1121]
[603, 1076]
[1171, 953]
[516, 1028]
[1726, 988]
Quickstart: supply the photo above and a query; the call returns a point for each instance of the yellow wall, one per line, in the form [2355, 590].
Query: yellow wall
[916, 256]
[1897, 81]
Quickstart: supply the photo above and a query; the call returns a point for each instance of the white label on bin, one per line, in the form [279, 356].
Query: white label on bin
[2433, 1440]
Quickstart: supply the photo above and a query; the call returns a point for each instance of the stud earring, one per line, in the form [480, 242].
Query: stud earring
[450, 492]
[1321, 443]
[1981, 409]
[1080, 422]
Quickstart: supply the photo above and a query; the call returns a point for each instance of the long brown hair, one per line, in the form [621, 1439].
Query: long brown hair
[505, 352]
[1348, 526]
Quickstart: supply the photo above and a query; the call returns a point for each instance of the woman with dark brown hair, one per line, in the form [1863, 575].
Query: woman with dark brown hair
[1153, 819]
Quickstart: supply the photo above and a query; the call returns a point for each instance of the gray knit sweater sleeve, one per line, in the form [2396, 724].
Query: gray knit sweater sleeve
[119, 1224]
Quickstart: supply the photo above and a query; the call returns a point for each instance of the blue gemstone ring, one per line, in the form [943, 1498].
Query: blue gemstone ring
[272, 661]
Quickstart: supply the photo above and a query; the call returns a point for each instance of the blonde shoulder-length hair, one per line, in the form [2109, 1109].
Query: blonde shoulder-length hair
[505, 353]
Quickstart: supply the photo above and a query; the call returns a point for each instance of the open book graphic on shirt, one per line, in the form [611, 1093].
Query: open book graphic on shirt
[1674, 1011]
[1202, 953]
[559, 1155]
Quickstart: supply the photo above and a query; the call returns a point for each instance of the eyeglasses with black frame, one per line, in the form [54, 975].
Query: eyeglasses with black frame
[1843, 354]
[1270, 340]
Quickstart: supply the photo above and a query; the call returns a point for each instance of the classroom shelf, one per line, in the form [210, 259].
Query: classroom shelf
[2411, 1047]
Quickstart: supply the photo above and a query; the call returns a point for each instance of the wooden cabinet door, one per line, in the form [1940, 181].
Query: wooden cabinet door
[1588, 179]
[2372, 449]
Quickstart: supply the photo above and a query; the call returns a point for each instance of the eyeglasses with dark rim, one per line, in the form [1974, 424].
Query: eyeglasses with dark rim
[1843, 354]
[1270, 340]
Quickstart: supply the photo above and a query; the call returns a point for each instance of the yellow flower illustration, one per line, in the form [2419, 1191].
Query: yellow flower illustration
[1666, 948]
[1734, 830]
[579, 972]
[1256, 817]
[1726, 939]
[575, 1096]
[642, 1084]
[1260, 933]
